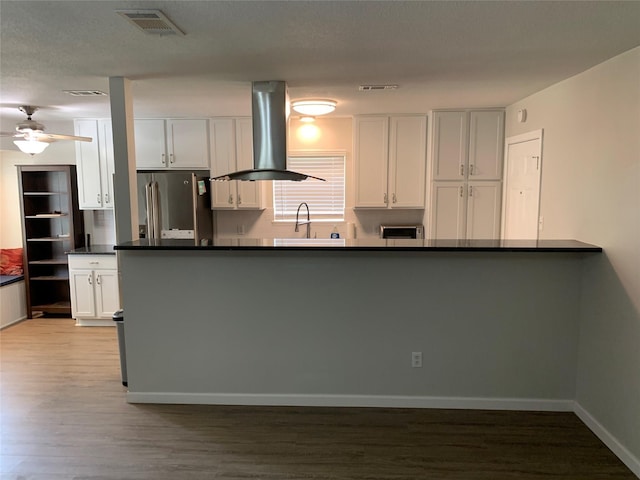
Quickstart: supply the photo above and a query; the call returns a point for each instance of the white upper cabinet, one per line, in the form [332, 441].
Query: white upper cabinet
[486, 143]
[390, 159]
[371, 149]
[95, 164]
[151, 144]
[232, 150]
[172, 144]
[449, 145]
[468, 144]
[407, 161]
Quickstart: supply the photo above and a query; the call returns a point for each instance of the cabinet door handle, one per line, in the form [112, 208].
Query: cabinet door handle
[98, 198]
[461, 192]
[94, 263]
[89, 279]
[171, 159]
[231, 199]
[386, 199]
[461, 170]
[98, 279]
[471, 169]
[393, 198]
[239, 200]
[470, 191]
[106, 198]
[164, 160]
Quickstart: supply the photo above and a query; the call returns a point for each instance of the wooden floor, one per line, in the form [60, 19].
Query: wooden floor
[64, 416]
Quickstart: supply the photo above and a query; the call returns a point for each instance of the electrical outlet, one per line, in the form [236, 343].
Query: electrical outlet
[416, 359]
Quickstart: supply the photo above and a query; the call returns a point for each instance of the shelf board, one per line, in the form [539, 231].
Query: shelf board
[46, 215]
[48, 278]
[50, 261]
[48, 239]
[57, 307]
[30, 194]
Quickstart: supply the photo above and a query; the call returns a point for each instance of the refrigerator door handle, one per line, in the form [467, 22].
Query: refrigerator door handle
[149, 198]
[194, 205]
[155, 197]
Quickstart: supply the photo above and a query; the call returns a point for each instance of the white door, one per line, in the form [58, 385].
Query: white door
[249, 193]
[223, 161]
[483, 210]
[450, 130]
[523, 166]
[371, 147]
[82, 297]
[188, 143]
[448, 211]
[107, 294]
[486, 139]
[407, 161]
[150, 144]
[88, 162]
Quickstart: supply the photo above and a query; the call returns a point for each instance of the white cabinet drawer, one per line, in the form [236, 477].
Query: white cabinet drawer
[92, 262]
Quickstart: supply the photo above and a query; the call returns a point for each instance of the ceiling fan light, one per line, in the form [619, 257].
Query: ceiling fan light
[314, 107]
[31, 147]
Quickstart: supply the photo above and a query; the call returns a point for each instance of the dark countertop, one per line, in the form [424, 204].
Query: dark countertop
[94, 250]
[366, 244]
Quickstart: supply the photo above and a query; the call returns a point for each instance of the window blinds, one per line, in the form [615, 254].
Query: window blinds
[325, 199]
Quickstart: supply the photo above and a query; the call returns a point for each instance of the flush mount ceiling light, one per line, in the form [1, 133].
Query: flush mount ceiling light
[314, 107]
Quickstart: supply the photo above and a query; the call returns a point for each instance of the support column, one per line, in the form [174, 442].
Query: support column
[124, 182]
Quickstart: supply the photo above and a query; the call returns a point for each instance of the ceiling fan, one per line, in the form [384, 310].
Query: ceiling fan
[31, 137]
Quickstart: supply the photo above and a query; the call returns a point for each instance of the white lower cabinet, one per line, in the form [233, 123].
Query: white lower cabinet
[93, 280]
[465, 210]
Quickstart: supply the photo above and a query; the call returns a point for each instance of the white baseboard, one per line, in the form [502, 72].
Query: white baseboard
[13, 322]
[94, 322]
[390, 401]
[631, 461]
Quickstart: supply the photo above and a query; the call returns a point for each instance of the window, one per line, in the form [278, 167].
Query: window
[325, 199]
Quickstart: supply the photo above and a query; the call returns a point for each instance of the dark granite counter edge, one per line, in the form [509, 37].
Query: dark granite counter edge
[584, 248]
[94, 250]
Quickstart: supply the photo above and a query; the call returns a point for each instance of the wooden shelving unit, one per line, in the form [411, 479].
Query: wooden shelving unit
[52, 225]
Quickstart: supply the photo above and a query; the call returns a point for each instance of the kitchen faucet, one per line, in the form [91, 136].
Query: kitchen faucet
[307, 223]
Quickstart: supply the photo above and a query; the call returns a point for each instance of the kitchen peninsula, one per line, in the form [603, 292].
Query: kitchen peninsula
[337, 322]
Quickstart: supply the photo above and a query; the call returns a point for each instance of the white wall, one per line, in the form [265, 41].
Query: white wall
[591, 192]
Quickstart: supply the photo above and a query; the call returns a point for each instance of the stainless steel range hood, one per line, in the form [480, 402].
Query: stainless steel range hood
[270, 110]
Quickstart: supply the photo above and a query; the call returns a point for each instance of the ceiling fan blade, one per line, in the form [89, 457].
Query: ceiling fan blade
[12, 134]
[52, 137]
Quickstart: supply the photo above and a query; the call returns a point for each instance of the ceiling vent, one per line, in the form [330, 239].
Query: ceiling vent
[153, 22]
[369, 88]
[85, 93]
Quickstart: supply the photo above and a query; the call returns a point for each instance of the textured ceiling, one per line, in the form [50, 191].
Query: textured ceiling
[441, 54]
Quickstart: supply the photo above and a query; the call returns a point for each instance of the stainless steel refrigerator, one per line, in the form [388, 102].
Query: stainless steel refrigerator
[174, 205]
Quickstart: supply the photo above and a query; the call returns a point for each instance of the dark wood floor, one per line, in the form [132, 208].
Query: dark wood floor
[64, 416]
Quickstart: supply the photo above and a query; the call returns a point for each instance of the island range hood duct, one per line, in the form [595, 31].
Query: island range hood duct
[270, 110]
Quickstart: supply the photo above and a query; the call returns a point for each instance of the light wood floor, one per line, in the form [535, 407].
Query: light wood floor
[64, 416]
